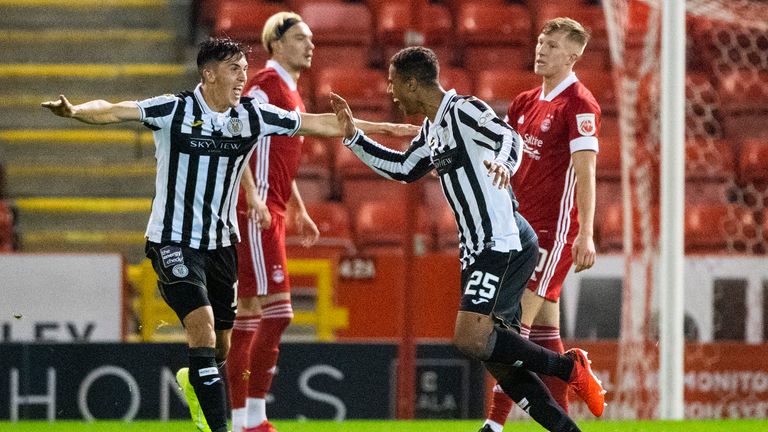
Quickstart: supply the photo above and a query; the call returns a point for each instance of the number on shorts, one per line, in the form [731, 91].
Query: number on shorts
[485, 283]
[543, 253]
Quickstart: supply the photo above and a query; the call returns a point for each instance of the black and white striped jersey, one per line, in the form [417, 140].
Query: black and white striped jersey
[465, 132]
[201, 155]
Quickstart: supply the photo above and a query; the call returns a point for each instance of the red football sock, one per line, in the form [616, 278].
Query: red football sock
[239, 359]
[549, 338]
[274, 320]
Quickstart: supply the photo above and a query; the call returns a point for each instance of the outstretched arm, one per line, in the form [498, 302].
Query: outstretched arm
[327, 125]
[406, 166]
[95, 111]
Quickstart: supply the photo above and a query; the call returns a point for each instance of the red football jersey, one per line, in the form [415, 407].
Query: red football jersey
[552, 127]
[275, 161]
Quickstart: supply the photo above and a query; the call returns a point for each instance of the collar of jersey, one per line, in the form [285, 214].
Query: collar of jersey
[570, 79]
[283, 74]
[444, 105]
[204, 106]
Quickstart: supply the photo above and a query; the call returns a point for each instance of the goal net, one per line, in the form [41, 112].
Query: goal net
[726, 171]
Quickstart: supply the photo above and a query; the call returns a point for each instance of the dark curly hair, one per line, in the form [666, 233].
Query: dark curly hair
[417, 62]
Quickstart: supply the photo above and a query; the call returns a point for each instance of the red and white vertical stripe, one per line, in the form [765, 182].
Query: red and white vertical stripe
[561, 233]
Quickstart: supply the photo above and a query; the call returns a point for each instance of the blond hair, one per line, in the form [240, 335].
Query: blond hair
[574, 31]
[276, 26]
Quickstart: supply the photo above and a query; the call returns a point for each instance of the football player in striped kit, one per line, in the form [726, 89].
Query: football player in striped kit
[559, 122]
[475, 154]
[203, 139]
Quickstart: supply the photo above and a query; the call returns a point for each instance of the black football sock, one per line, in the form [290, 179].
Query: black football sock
[512, 349]
[530, 394]
[209, 387]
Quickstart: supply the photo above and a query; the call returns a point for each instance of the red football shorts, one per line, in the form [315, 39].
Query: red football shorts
[555, 260]
[261, 260]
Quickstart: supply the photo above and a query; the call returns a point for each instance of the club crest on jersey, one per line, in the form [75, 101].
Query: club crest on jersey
[180, 270]
[235, 126]
[586, 124]
[547, 123]
[521, 120]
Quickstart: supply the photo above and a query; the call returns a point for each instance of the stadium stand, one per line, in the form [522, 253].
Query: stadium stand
[494, 34]
[333, 222]
[342, 33]
[456, 78]
[380, 226]
[315, 169]
[396, 27]
[753, 161]
[498, 87]
[365, 89]
[609, 157]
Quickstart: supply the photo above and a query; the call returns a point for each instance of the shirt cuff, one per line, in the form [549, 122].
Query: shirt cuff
[355, 137]
[584, 143]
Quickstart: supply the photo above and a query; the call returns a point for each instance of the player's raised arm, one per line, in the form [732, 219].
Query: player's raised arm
[327, 125]
[95, 111]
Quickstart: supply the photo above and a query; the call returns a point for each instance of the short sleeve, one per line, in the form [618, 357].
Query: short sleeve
[157, 112]
[583, 119]
[277, 121]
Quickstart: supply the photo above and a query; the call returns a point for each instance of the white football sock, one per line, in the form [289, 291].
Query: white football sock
[238, 419]
[256, 411]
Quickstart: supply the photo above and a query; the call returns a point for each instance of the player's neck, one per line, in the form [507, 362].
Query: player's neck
[294, 73]
[216, 104]
[550, 82]
[431, 101]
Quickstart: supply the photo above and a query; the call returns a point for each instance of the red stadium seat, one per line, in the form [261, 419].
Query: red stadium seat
[362, 88]
[609, 140]
[744, 92]
[495, 23]
[456, 78]
[381, 225]
[753, 161]
[498, 87]
[609, 227]
[243, 19]
[709, 160]
[705, 227]
[446, 232]
[315, 169]
[494, 35]
[338, 23]
[600, 83]
[394, 18]
[333, 222]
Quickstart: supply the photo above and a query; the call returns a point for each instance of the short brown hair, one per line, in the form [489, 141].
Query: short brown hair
[276, 26]
[574, 31]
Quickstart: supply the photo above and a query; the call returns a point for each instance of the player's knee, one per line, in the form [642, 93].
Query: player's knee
[248, 306]
[277, 315]
[223, 345]
[470, 346]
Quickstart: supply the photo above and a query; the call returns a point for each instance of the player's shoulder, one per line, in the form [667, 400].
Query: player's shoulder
[532, 94]
[580, 92]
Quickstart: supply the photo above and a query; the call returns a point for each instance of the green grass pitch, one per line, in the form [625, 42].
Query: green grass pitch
[398, 426]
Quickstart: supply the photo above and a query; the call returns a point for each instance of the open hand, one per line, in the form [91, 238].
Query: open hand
[60, 107]
[500, 173]
[343, 115]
